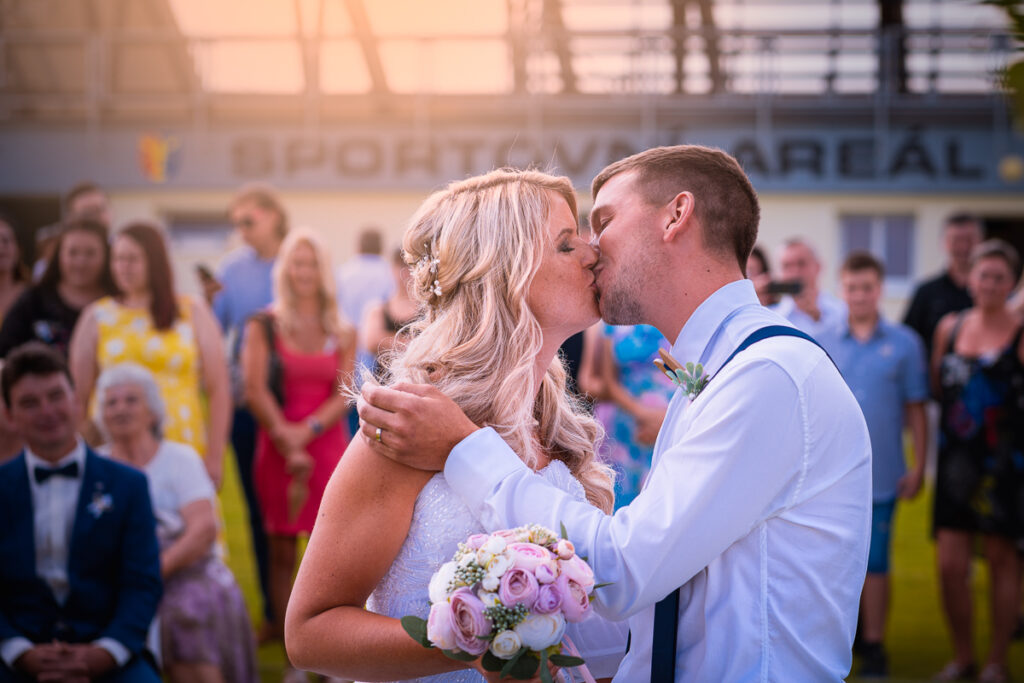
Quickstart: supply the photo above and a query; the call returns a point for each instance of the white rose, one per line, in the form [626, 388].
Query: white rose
[489, 599]
[438, 589]
[494, 545]
[490, 583]
[499, 564]
[505, 645]
[467, 559]
[539, 631]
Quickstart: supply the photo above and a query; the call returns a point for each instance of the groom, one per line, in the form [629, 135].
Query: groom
[757, 507]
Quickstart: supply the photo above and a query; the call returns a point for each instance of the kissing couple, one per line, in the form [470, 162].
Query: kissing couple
[743, 557]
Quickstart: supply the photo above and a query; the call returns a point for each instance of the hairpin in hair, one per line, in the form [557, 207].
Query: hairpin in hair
[429, 261]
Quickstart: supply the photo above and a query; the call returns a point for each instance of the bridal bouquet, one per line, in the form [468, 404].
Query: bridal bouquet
[507, 596]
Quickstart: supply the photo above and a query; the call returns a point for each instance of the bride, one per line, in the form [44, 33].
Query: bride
[503, 277]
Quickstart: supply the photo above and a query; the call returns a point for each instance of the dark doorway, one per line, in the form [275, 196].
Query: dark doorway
[1009, 229]
[30, 213]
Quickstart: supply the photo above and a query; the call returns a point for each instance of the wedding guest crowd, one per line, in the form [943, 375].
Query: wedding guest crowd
[884, 365]
[174, 337]
[632, 398]
[110, 371]
[382, 322]
[205, 634]
[245, 288]
[295, 358]
[80, 606]
[978, 376]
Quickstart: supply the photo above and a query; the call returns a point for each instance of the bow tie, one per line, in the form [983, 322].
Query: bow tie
[44, 473]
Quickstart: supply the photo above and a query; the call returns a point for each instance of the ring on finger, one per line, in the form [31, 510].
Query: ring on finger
[377, 435]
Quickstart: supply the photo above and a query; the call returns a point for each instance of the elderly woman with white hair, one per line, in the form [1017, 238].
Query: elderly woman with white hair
[205, 631]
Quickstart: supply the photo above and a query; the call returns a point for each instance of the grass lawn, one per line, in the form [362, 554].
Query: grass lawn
[918, 642]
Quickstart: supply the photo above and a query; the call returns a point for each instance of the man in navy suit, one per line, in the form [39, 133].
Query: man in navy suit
[79, 562]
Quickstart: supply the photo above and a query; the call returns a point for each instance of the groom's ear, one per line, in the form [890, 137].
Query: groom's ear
[679, 212]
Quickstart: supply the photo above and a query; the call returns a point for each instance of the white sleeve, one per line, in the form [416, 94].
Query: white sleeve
[12, 648]
[190, 479]
[737, 464]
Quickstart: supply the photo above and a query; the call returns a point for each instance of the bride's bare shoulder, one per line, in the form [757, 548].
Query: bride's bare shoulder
[364, 473]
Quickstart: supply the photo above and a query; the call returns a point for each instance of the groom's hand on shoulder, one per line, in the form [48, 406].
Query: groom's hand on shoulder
[419, 425]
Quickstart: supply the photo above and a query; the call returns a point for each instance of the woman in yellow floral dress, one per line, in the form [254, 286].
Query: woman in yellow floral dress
[174, 337]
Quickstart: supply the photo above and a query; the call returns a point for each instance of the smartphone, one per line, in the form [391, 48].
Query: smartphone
[791, 287]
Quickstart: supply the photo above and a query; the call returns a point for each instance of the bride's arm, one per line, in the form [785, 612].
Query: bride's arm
[362, 522]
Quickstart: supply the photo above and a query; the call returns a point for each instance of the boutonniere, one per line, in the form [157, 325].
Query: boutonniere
[690, 377]
[101, 503]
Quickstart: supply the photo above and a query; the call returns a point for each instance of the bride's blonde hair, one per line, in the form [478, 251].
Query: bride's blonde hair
[474, 249]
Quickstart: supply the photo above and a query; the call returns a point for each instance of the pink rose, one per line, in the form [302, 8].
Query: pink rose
[575, 603]
[518, 587]
[476, 540]
[529, 556]
[545, 573]
[468, 621]
[549, 599]
[577, 570]
[564, 549]
[440, 630]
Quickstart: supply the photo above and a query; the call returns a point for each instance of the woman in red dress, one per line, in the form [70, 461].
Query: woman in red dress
[296, 358]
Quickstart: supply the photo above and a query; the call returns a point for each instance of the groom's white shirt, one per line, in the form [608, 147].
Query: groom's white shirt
[758, 505]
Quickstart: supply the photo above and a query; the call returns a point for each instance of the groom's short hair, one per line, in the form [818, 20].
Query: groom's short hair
[726, 203]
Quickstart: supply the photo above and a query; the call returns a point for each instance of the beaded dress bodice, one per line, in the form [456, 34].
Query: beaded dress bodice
[440, 521]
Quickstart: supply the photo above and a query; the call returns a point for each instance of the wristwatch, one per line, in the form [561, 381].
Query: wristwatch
[315, 426]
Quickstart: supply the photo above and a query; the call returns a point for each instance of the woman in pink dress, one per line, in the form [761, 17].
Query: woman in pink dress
[295, 359]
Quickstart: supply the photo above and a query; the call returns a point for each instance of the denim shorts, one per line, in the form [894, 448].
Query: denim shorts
[881, 525]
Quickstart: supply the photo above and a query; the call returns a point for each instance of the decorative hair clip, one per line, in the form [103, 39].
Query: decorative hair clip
[428, 261]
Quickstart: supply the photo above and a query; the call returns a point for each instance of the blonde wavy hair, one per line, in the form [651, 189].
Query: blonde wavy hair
[283, 306]
[478, 339]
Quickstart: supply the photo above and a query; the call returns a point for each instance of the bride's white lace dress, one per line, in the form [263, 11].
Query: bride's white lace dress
[440, 521]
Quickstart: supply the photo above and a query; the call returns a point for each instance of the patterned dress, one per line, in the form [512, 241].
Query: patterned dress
[172, 355]
[634, 348]
[980, 479]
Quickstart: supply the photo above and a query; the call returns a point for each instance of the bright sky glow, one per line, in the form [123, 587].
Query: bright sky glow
[458, 46]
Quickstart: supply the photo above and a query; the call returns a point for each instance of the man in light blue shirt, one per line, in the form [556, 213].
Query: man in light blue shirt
[884, 365]
[247, 287]
[810, 309]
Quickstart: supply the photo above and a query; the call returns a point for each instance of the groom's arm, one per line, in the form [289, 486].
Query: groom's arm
[706, 491]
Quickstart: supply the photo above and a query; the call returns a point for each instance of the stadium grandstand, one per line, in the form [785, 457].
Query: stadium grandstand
[861, 123]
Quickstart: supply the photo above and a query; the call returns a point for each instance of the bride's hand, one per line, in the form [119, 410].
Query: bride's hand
[419, 425]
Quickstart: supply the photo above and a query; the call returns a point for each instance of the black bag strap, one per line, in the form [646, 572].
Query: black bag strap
[275, 380]
[666, 612]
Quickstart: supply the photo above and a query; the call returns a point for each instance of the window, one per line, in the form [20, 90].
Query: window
[889, 237]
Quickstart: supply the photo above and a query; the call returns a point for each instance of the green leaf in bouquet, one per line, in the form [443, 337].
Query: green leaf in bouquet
[566, 660]
[459, 655]
[602, 585]
[565, 534]
[417, 628]
[492, 662]
[510, 665]
[545, 673]
[525, 667]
